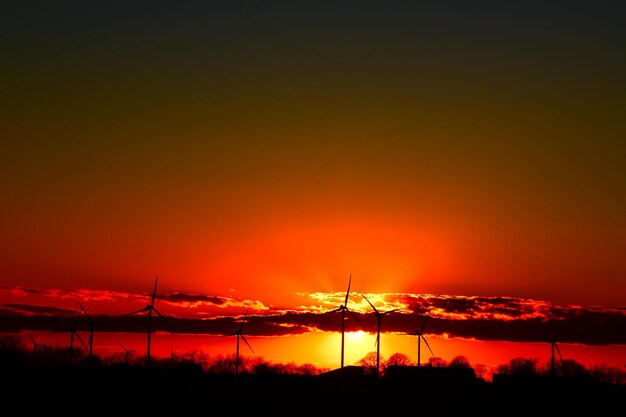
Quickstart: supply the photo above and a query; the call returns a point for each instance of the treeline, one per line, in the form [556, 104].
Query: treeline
[14, 353]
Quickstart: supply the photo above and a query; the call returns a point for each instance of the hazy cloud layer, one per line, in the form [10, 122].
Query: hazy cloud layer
[482, 318]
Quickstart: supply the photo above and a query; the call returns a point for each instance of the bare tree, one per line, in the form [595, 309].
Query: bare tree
[399, 359]
[459, 362]
[519, 366]
[437, 362]
[369, 361]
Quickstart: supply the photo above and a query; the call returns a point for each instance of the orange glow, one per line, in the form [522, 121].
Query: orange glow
[457, 164]
[323, 349]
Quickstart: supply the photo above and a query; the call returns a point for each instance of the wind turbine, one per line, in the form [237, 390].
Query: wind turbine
[379, 317]
[553, 346]
[420, 337]
[74, 333]
[239, 334]
[343, 308]
[149, 308]
[173, 356]
[127, 353]
[91, 325]
[35, 344]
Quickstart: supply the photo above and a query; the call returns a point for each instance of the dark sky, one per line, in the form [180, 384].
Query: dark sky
[272, 147]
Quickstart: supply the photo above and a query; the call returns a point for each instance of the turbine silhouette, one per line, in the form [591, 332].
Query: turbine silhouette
[420, 337]
[127, 353]
[173, 356]
[554, 346]
[91, 325]
[379, 317]
[344, 308]
[239, 334]
[74, 333]
[35, 344]
[149, 309]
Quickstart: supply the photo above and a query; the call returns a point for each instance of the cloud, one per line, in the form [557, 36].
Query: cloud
[185, 300]
[35, 309]
[177, 299]
[82, 294]
[192, 299]
[481, 318]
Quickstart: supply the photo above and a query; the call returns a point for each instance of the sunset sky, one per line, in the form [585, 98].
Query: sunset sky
[254, 155]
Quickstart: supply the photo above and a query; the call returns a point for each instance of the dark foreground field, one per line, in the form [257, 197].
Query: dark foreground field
[136, 391]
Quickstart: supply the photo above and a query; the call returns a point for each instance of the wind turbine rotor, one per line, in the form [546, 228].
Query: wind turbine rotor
[427, 345]
[372, 305]
[424, 324]
[141, 310]
[392, 311]
[158, 312]
[345, 303]
[355, 318]
[154, 291]
[89, 319]
[246, 341]
[558, 351]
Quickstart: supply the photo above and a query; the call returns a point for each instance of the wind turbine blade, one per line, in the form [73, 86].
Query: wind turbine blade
[427, 345]
[334, 311]
[243, 321]
[158, 312]
[32, 338]
[80, 339]
[368, 301]
[138, 311]
[84, 311]
[240, 328]
[424, 324]
[345, 302]
[154, 291]
[558, 351]
[123, 348]
[392, 311]
[356, 319]
[244, 339]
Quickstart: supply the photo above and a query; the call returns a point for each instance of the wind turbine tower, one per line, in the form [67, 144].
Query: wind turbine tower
[239, 334]
[420, 337]
[553, 346]
[149, 309]
[344, 308]
[379, 317]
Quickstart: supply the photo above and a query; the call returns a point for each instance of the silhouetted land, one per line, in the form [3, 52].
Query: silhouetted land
[35, 389]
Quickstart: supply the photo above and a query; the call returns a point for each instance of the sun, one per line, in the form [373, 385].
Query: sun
[356, 336]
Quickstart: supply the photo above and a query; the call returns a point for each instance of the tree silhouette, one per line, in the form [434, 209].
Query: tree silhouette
[572, 368]
[369, 361]
[519, 366]
[223, 364]
[437, 362]
[399, 359]
[459, 362]
[481, 370]
[606, 374]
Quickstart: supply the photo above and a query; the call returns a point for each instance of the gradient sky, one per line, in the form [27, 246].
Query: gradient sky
[261, 150]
